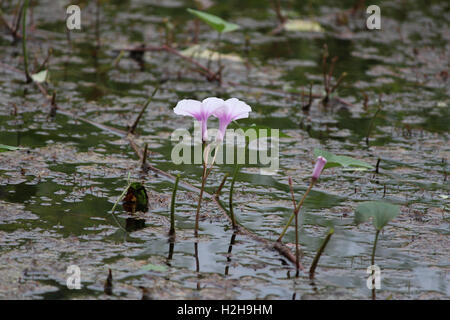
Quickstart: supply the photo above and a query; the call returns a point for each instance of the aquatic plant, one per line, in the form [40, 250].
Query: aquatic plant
[4, 147]
[218, 24]
[230, 198]
[328, 75]
[201, 111]
[320, 164]
[172, 209]
[380, 213]
[315, 262]
[226, 111]
[215, 22]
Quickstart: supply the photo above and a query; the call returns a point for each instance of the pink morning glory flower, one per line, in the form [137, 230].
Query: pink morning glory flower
[199, 110]
[226, 111]
[230, 110]
[320, 163]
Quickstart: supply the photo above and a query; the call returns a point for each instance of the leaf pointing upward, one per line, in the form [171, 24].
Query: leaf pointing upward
[215, 22]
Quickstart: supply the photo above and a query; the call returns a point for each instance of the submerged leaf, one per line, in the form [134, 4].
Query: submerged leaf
[341, 161]
[380, 212]
[214, 22]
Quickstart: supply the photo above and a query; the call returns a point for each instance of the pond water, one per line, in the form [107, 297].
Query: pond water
[57, 194]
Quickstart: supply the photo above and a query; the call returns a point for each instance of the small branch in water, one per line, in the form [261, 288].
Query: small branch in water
[377, 167]
[277, 7]
[210, 75]
[172, 209]
[136, 122]
[328, 75]
[307, 106]
[53, 106]
[372, 122]
[13, 30]
[281, 19]
[144, 165]
[319, 253]
[338, 82]
[24, 41]
[107, 288]
[366, 101]
[219, 189]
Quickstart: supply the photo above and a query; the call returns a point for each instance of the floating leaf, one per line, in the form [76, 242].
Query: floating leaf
[341, 161]
[40, 77]
[154, 267]
[302, 25]
[4, 147]
[214, 22]
[380, 212]
[198, 52]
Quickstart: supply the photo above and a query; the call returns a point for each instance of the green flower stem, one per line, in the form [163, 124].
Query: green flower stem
[373, 263]
[233, 219]
[197, 215]
[172, 208]
[296, 210]
[219, 189]
[319, 253]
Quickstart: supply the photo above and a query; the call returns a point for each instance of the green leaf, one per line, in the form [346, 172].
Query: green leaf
[154, 267]
[4, 147]
[380, 212]
[214, 22]
[40, 77]
[341, 161]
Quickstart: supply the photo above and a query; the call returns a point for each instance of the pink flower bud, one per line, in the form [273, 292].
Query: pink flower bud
[320, 163]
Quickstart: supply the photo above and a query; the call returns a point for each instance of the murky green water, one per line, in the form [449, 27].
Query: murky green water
[56, 196]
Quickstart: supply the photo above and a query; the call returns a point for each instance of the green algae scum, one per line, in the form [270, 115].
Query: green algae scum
[197, 150]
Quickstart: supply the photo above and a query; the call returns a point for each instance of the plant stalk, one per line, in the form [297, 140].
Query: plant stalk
[24, 41]
[197, 214]
[233, 219]
[373, 263]
[296, 210]
[319, 253]
[172, 208]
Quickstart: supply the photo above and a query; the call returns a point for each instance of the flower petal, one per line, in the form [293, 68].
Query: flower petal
[212, 103]
[189, 107]
[238, 109]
